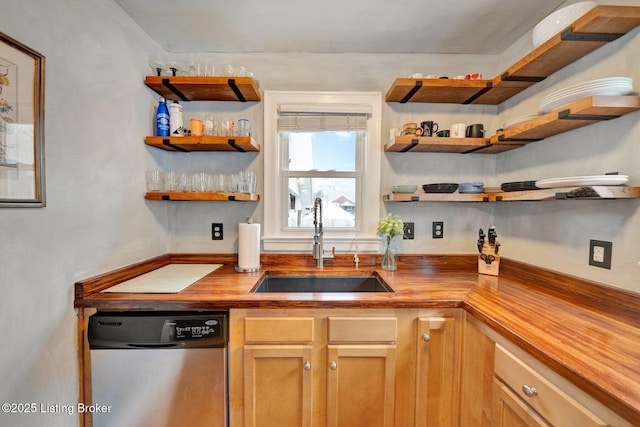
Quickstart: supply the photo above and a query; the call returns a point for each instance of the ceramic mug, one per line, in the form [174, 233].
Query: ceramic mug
[458, 130]
[475, 131]
[429, 128]
[411, 129]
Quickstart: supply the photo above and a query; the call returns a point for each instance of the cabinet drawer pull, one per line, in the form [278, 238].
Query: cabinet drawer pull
[307, 366]
[529, 391]
[426, 337]
[333, 366]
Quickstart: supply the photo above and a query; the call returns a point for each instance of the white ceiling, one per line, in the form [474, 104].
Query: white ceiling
[337, 26]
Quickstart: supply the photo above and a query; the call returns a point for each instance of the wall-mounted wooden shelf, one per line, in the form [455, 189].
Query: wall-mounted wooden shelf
[204, 143]
[432, 144]
[568, 193]
[581, 113]
[205, 196]
[191, 88]
[600, 25]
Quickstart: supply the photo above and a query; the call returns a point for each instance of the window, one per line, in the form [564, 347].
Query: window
[321, 145]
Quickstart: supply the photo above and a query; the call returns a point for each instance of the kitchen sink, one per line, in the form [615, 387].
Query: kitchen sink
[321, 284]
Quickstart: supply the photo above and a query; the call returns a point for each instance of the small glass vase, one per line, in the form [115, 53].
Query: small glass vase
[389, 257]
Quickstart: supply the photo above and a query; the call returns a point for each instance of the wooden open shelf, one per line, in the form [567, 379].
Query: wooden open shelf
[566, 193]
[191, 88]
[205, 196]
[433, 144]
[204, 143]
[576, 115]
[581, 113]
[600, 25]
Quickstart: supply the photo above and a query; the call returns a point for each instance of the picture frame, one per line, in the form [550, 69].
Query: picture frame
[22, 180]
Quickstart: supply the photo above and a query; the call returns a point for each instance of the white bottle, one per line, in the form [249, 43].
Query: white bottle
[176, 125]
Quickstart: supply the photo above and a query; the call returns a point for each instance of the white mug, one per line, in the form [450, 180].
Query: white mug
[393, 132]
[458, 130]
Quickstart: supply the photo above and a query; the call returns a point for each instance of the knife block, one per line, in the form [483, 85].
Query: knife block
[484, 267]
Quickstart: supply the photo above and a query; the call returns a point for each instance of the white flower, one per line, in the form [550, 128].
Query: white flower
[391, 226]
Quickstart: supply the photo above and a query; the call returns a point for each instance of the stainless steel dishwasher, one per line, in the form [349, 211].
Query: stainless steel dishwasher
[160, 369]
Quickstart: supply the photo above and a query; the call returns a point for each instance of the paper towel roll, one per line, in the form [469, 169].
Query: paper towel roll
[248, 246]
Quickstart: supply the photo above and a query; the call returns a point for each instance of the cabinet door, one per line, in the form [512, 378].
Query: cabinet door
[361, 385]
[277, 385]
[510, 411]
[436, 379]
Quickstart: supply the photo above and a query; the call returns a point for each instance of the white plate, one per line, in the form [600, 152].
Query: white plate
[576, 181]
[517, 120]
[559, 20]
[601, 83]
[610, 86]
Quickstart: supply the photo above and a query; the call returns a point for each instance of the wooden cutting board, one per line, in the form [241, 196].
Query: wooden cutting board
[169, 279]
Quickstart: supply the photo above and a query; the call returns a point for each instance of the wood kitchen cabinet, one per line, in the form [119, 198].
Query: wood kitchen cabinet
[437, 371]
[343, 367]
[503, 386]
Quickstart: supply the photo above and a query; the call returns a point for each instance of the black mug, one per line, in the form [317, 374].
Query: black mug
[443, 133]
[429, 128]
[475, 131]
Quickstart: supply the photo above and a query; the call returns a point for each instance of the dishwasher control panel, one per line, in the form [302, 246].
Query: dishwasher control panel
[140, 330]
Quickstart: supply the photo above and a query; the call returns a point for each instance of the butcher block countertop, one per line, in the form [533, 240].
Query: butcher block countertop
[587, 332]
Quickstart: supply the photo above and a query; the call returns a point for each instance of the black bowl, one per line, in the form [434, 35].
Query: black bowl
[440, 188]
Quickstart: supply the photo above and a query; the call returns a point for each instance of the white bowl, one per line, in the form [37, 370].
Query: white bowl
[559, 20]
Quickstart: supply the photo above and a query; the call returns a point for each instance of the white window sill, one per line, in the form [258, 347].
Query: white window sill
[305, 244]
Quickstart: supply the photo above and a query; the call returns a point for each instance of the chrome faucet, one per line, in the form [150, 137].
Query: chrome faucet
[318, 240]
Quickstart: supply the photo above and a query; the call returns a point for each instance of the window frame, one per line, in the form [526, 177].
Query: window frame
[277, 238]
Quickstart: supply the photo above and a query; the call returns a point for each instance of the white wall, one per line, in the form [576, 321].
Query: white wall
[97, 113]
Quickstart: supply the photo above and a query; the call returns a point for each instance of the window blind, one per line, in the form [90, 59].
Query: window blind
[314, 122]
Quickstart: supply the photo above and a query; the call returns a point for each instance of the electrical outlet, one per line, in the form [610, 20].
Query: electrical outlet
[408, 231]
[600, 253]
[437, 231]
[216, 231]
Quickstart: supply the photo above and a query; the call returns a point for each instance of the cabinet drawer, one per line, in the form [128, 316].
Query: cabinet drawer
[547, 399]
[362, 329]
[278, 330]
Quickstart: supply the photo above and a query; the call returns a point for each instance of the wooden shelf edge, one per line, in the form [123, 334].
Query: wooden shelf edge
[202, 196]
[204, 143]
[230, 88]
[434, 144]
[565, 193]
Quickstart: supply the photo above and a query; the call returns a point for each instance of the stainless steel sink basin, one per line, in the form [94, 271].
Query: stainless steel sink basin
[321, 284]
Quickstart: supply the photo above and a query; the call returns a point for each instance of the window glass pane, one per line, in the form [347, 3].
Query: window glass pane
[338, 201]
[322, 150]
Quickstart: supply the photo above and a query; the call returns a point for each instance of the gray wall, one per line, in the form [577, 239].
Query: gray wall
[98, 112]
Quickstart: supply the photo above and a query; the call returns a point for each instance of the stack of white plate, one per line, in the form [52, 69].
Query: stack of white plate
[517, 120]
[578, 181]
[610, 86]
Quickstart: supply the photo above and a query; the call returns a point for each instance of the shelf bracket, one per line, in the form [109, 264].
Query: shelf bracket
[503, 139]
[479, 93]
[473, 150]
[505, 77]
[415, 198]
[231, 198]
[166, 197]
[412, 92]
[414, 142]
[566, 115]
[232, 142]
[173, 146]
[569, 35]
[174, 89]
[236, 90]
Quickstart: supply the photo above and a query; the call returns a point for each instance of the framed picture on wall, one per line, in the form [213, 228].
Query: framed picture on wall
[21, 125]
